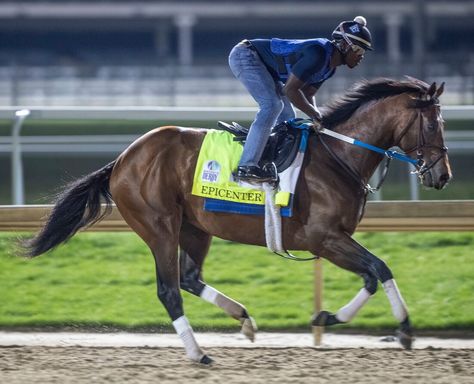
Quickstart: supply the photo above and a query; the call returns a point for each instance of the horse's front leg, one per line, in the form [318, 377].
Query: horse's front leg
[346, 253]
[191, 281]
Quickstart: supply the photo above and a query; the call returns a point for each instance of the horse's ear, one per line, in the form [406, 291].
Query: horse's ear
[440, 90]
[431, 90]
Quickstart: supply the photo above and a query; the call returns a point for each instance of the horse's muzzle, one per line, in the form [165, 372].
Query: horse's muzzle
[431, 180]
[442, 181]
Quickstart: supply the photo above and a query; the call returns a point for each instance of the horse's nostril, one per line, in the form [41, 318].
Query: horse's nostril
[444, 177]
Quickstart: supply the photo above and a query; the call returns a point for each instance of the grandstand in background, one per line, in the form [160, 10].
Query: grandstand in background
[174, 53]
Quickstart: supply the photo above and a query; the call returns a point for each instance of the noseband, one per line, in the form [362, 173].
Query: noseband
[421, 166]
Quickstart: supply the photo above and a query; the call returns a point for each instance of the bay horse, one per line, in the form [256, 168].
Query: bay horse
[150, 182]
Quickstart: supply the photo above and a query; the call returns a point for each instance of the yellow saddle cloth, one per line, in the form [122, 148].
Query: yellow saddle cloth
[218, 158]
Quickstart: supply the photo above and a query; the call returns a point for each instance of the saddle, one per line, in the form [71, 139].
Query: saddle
[282, 145]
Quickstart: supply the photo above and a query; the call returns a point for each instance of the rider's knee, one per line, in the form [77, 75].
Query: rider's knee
[274, 106]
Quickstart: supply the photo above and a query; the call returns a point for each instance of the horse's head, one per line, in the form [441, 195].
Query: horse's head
[424, 137]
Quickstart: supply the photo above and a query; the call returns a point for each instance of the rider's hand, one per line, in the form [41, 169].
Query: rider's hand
[317, 126]
[317, 121]
[314, 123]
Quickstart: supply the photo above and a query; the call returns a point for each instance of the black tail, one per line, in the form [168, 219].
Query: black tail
[78, 206]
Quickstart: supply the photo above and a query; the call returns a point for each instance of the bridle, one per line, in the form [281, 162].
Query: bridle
[421, 166]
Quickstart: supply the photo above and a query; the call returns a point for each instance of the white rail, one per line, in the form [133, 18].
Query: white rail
[450, 112]
[16, 144]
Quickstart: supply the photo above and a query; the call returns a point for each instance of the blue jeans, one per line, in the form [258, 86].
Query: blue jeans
[274, 107]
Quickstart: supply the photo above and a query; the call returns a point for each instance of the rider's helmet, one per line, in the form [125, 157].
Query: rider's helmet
[354, 32]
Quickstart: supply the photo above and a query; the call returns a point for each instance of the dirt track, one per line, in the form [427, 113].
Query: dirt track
[234, 365]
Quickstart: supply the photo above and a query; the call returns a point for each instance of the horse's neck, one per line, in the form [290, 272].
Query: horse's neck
[373, 124]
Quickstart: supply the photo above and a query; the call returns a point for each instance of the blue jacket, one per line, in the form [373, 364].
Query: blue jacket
[307, 59]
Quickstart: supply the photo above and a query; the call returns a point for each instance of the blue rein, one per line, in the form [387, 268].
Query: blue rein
[305, 124]
[388, 153]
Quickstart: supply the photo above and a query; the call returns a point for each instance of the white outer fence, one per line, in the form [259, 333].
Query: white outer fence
[400, 215]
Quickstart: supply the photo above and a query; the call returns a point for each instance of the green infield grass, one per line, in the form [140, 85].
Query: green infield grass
[106, 281]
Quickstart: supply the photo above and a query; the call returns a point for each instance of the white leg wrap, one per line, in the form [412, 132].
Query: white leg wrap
[213, 296]
[185, 332]
[348, 312]
[233, 308]
[210, 294]
[399, 307]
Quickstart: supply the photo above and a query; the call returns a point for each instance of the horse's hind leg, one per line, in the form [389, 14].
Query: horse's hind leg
[345, 252]
[195, 245]
[161, 233]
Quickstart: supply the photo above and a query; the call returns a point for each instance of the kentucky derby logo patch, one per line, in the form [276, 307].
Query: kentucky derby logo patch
[354, 28]
[211, 171]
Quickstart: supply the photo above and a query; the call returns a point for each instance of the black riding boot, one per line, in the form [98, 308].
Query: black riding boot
[254, 173]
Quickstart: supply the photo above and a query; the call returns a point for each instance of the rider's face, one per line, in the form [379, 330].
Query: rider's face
[354, 55]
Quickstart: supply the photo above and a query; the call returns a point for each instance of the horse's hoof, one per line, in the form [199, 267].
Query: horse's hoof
[324, 318]
[206, 360]
[249, 327]
[405, 339]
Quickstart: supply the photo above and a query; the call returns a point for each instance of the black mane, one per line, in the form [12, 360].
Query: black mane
[364, 91]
